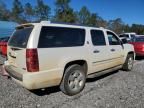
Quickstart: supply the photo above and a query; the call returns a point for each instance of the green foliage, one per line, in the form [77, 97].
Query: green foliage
[116, 25]
[139, 29]
[42, 11]
[63, 12]
[4, 13]
[84, 16]
[93, 19]
[62, 5]
[127, 28]
[17, 11]
[101, 22]
[28, 12]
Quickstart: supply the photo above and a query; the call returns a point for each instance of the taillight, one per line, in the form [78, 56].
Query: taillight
[143, 48]
[32, 61]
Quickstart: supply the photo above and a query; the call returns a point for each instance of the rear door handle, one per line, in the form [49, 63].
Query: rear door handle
[96, 51]
[112, 50]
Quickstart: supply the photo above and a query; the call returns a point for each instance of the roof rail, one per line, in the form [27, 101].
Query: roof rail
[45, 22]
[75, 24]
[54, 22]
[101, 27]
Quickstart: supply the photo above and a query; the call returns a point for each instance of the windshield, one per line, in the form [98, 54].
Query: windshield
[20, 37]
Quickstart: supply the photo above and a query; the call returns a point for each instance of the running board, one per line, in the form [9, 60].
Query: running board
[97, 74]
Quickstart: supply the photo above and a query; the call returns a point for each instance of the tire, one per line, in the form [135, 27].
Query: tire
[73, 81]
[128, 65]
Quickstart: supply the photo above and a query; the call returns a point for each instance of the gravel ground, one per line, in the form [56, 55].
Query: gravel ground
[117, 90]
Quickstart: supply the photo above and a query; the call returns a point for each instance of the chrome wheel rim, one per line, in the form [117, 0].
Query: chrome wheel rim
[130, 63]
[76, 81]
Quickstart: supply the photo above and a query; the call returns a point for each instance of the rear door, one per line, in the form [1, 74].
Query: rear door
[99, 52]
[17, 46]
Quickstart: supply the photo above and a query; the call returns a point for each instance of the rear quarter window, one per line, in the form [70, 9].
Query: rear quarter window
[61, 37]
[20, 37]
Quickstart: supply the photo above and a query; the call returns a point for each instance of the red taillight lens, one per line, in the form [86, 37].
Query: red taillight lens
[143, 48]
[32, 61]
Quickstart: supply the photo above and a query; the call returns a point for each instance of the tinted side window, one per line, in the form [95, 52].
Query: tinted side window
[113, 39]
[61, 37]
[124, 35]
[98, 37]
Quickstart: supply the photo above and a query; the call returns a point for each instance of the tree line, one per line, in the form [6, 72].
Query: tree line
[63, 13]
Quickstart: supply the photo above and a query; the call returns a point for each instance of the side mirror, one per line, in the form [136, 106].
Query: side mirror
[124, 41]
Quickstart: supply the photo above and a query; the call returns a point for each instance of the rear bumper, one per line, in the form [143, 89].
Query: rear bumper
[35, 80]
[13, 73]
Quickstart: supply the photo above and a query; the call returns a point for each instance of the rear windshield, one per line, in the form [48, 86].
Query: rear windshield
[20, 37]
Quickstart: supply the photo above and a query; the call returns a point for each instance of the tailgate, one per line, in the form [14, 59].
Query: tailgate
[16, 57]
[16, 50]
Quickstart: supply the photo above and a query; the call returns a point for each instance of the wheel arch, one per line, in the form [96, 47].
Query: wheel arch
[69, 65]
[82, 63]
[133, 53]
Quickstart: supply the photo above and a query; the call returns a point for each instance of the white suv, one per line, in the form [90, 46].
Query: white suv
[47, 54]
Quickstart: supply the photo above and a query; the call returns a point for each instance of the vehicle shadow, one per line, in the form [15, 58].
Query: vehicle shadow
[46, 91]
[56, 89]
[139, 58]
